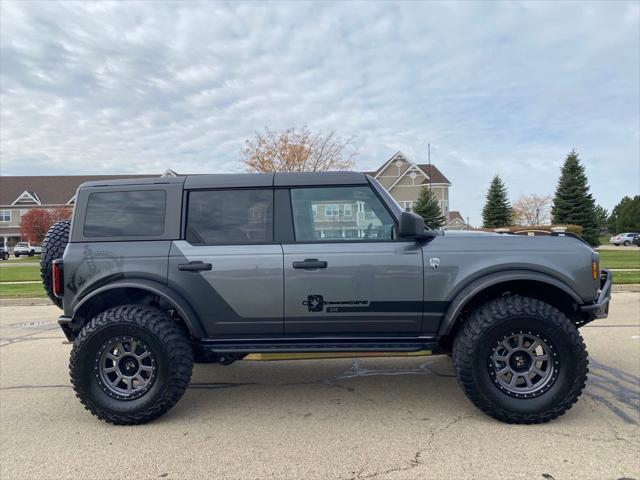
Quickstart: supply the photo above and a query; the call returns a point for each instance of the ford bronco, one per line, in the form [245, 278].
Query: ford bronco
[154, 274]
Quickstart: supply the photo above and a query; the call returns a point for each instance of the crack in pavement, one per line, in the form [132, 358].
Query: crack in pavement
[623, 386]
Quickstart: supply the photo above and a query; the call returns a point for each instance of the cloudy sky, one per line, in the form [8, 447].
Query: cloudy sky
[505, 88]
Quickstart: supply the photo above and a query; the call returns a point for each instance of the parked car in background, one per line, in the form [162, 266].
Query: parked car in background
[625, 239]
[4, 255]
[636, 240]
[24, 248]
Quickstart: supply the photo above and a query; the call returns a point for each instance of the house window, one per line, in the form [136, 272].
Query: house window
[331, 211]
[347, 210]
[5, 216]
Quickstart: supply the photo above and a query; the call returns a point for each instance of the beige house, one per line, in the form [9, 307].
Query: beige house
[404, 179]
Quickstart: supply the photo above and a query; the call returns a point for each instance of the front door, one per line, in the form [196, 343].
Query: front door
[228, 267]
[345, 273]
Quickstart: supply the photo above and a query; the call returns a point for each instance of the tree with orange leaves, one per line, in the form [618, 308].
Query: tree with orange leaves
[300, 150]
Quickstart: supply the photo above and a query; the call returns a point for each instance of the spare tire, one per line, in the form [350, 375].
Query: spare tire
[53, 247]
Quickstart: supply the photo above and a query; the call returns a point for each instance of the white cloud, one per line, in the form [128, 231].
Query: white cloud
[496, 88]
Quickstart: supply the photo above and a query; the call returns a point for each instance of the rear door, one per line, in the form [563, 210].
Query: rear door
[345, 273]
[227, 266]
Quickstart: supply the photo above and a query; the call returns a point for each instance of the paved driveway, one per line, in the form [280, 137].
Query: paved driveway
[391, 418]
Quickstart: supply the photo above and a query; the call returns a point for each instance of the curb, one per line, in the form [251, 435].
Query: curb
[24, 302]
[630, 287]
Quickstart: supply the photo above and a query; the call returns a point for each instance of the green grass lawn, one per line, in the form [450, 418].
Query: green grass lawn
[22, 273]
[622, 259]
[625, 278]
[27, 290]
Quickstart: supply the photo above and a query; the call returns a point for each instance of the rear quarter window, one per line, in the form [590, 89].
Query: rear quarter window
[134, 213]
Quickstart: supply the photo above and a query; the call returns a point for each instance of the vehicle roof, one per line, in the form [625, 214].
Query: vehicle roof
[226, 180]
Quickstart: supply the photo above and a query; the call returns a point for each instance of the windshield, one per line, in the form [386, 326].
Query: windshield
[395, 207]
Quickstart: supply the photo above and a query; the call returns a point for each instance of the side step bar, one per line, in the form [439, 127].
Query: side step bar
[317, 345]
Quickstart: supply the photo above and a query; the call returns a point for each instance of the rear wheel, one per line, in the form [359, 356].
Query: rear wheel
[5, 256]
[520, 360]
[16, 254]
[53, 245]
[131, 364]
[626, 243]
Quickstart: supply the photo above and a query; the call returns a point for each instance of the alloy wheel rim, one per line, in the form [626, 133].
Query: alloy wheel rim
[125, 367]
[523, 364]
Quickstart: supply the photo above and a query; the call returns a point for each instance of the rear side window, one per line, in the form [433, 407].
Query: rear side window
[219, 217]
[132, 213]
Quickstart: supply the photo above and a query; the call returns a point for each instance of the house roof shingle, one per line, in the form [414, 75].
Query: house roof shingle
[50, 190]
[454, 215]
[433, 173]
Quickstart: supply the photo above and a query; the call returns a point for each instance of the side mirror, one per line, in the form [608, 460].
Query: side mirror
[412, 226]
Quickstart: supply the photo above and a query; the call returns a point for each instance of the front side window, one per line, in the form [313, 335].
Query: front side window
[218, 217]
[350, 214]
[5, 215]
[131, 213]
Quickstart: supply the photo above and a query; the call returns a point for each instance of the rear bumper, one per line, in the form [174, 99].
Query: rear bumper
[600, 308]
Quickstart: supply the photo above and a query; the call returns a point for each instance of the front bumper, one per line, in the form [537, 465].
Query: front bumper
[600, 308]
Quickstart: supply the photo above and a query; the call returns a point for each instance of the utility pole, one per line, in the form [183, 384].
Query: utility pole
[429, 161]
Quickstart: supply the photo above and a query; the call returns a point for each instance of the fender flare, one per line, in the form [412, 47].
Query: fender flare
[163, 291]
[482, 283]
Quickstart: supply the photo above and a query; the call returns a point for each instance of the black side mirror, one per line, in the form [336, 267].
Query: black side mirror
[412, 226]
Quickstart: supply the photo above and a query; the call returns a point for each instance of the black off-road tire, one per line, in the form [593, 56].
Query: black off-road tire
[53, 247]
[172, 350]
[474, 345]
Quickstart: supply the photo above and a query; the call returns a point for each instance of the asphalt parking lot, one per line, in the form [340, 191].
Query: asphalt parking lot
[382, 418]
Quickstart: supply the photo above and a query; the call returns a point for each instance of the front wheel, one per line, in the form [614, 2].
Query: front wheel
[520, 360]
[5, 255]
[16, 254]
[131, 364]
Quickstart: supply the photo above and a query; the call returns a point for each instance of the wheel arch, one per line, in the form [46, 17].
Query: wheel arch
[144, 292]
[534, 284]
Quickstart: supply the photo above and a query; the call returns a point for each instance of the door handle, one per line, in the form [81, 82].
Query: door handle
[194, 266]
[310, 264]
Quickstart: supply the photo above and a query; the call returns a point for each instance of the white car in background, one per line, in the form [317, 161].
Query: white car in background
[625, 239]
[24, 248]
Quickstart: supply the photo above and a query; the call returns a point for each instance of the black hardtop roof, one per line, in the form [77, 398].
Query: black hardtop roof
[238, 180]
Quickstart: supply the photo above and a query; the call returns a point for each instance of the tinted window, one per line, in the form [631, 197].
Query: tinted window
[339, 213]
[230, 217]
[125, 214]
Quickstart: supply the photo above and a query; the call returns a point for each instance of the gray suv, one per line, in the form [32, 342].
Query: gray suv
[154, 274]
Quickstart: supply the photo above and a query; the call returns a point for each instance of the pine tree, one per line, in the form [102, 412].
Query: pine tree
[573, 204]
[602, 219]
[428, 207]
[497, 209]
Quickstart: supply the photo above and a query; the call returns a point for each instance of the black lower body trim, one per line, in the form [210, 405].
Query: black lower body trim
[319, 344]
